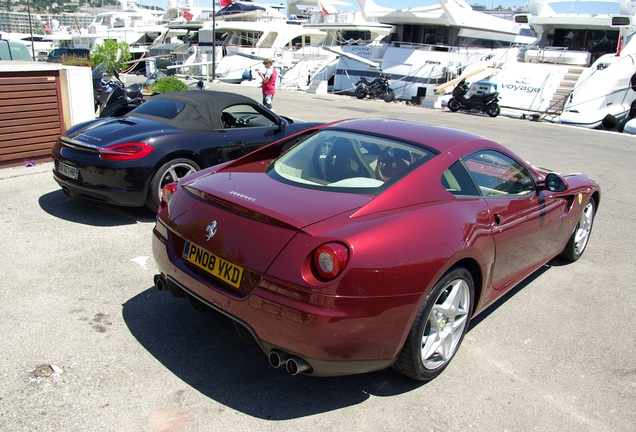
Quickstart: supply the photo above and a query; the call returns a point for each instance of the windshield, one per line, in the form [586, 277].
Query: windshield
[99, 71]
[340, 160]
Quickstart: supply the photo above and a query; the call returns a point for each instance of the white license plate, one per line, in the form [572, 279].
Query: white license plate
[67, 170]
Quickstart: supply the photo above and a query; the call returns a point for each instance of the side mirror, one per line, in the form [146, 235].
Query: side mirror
[555, 183]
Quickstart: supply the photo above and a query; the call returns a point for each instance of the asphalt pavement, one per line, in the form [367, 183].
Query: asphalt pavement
[87, 342]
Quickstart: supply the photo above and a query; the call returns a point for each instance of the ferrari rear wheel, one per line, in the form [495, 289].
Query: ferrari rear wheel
[439, 327]
[579, 238]
[169, 172]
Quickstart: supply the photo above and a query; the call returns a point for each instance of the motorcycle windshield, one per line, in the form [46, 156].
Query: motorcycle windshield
[99, 71]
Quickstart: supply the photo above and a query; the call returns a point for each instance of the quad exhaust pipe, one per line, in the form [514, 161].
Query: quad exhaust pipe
[294, 365]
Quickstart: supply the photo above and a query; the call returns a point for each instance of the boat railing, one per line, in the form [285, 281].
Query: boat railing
[337, 18]
[555, 55]
[425, 47]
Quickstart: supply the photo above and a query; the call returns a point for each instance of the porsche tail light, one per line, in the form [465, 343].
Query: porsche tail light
[166, 195]
[126, 151]
[330, 259]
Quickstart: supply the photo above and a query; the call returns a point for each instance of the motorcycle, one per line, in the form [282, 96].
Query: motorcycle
[486, 103]
[379, 87]
[101, 87]
[112, 97]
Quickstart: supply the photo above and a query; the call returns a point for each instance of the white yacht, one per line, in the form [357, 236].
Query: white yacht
[582, 65]
[239, 41]
[129, 16]
[431, 45]
[245, 44]
[314, 67]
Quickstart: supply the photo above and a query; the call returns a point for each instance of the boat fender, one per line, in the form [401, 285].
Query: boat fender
[632, 82]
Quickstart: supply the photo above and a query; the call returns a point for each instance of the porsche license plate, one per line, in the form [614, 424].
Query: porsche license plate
[218, 267]
[67, 170]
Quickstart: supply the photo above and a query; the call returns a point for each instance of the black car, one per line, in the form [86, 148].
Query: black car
[127, 160]
[56, 55]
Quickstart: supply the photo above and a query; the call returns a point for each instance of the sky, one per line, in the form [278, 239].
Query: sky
[397, 4]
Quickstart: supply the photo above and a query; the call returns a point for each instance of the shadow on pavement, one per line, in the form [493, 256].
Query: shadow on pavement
[92, 213]
[204, 351]
[502, 300]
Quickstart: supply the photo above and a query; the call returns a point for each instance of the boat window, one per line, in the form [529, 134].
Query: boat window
[347, 161]
[585, 7]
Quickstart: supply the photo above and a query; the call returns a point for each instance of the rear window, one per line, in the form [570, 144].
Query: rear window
[342, 160]
[10, 50]
[163, 108]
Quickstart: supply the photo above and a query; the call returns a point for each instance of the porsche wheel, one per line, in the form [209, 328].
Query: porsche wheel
[169, 172]
[579, 238]
[361, 92]
[439, 327]
[453, 105]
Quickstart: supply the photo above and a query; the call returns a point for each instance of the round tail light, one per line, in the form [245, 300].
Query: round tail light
[330, 259]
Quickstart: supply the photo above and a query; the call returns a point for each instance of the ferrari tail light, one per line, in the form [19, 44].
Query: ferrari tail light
[329, 260]
[126, 151]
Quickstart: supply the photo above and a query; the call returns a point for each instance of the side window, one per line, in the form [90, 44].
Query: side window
[498, 175]
[240, 116]
[457, 181]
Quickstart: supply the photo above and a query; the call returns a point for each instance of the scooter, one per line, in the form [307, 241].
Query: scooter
[101, 87]
[379, 87]
[119, 100]
[486, 103]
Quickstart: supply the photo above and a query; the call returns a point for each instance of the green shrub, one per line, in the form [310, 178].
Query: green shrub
[76, 61]
[114, 54]
[167, 84]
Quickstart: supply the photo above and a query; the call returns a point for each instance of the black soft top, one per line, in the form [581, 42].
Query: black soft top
[198, 110]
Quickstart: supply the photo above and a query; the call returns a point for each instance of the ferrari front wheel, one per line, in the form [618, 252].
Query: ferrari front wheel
[579, 238]
[439, 327]
[169, 172]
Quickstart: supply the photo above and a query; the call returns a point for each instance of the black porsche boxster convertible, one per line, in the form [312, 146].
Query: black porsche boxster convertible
[127, 160]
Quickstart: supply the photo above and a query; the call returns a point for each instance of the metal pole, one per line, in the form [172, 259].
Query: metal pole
[213, 40]
[31, 29]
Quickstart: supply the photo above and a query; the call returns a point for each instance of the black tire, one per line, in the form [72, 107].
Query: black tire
[388, 95]
[169, 172]
[493, 110]
[578, 240]
[453, 105]
[439, 327]
[361, 93]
